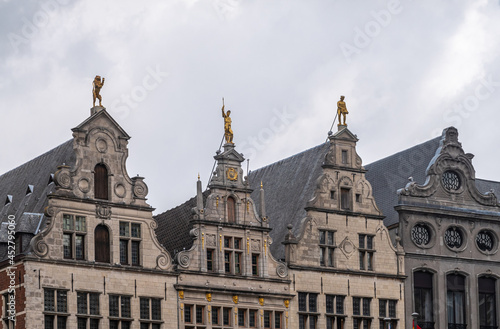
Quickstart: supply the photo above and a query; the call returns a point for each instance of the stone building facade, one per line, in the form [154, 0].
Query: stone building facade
[95, 262]
[320, 249]
[449, 230]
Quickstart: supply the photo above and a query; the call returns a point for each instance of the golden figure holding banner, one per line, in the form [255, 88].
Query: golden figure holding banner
[341, 110]
[97, 85]
[228, 132]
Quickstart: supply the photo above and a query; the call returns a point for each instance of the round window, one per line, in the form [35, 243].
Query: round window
[485, 241]
[421, 234]
[453, 237]
[451, 180]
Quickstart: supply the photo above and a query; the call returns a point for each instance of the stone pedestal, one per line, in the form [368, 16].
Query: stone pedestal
[96, 109]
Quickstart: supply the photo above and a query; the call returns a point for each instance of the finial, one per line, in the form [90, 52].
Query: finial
[96, 89]
[198, 176]
[260, 184]
[228, 132]
[341, 111]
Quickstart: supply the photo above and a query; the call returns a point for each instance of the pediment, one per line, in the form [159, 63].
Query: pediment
[104, 119]
[230, 154]
[345, 134]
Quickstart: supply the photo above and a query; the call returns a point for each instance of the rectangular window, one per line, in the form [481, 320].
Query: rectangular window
[278, 320]
[79, 247]
[241, 317]
[226, 316]
[255, 264]
[302, 302]
[345, 200]
[130, 243]
[144, 308]
[156, 308]
[252, 318]
[227, 262]
[487, 302]
[237, 243]
[329, 303]
[67, 245]
[340, 304]
[200, 314]
[135, 252]
[136, 230]
[326, 248]
[210, 260]
[81, 302]
[392, 308]
[312, 302]
[124, 252]
[366, 306]
[74, 237]
[356, 303]
[56, 302]
[237, 262]
[267, 319]
[344, 157]
[423, 297]
[216, 316]
[119, 307]
[114, 306]
[188, 311]
[366, 252]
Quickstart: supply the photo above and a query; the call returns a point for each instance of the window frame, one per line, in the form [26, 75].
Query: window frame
[120, 318]
[129, 240]
[327, 248]
[56, 314]
[72, 232]
[366, 251]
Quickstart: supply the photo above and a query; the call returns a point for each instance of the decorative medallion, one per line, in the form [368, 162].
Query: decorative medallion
[453, 237]
[120, 190]
[485, 241]
[101, 145]
[421, 234]
[450, 180]
[232, 174]
[84, 185]
[103, 211]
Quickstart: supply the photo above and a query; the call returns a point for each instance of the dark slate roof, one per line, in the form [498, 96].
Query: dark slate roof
[173, 226]
[391, 173]
[288, 185]
[28, 185]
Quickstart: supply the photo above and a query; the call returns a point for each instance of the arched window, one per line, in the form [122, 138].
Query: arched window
[422, 293]
[487, 304]
[102, 244]
[231, 210]
[455, 301]
[101, 182]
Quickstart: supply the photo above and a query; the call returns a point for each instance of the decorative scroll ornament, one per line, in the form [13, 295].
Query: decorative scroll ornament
[282, 270]
[62, 177]
[183, 259]
[163, 261]
[140, 188]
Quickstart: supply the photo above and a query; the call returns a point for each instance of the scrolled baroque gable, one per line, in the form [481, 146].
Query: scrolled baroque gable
[450, 176]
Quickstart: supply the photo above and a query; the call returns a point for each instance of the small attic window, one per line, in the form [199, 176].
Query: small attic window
[51, 179]
[344, 156]
[8, 199]
[30, 189]
[332, 194]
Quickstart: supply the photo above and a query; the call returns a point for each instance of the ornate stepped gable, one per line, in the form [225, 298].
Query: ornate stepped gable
[228, 210]
[94, 196]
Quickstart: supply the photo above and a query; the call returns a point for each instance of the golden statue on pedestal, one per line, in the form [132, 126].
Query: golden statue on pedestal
[341, 110]
[97, 85]
[228, 132]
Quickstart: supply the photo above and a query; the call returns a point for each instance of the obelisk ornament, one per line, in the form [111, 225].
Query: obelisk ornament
[97, 85]
[228, 132]
[341, 110]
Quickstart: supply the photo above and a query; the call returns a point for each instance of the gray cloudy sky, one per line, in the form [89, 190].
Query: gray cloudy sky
[408, 69]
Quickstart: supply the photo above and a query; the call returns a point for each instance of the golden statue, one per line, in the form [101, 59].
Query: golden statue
[97, 85]
[341, 110]
[235, 299]
[228, 132]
